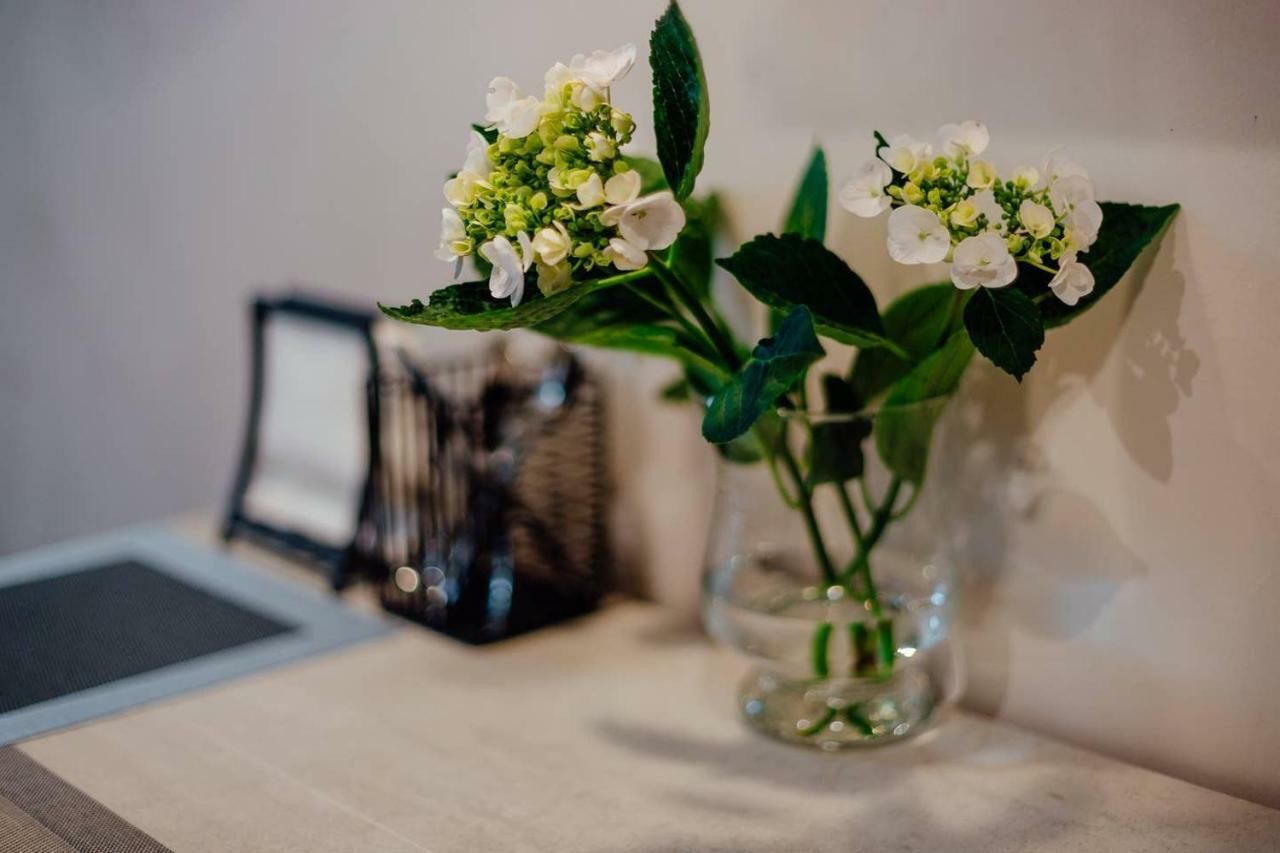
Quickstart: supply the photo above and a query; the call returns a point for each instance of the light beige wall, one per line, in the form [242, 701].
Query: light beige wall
[160, 160]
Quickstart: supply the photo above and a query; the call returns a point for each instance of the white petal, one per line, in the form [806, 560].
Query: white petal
[917, 236]
[591, 192]
[1036, 218]
[613, 215]
[983, 260]
[477, 159]
[863, 194]
[557, 77]
[507, 277]
[1084, 222]
[526, 251]
[1067, 192]
[985, 202]
[552, 244]
[603, 68]
[503, 91]
[1073, 281]
[553, 278]
[966, 139]
[1058, 165]
[653, 222]
[451, 229]
[522, 117]
[625, 255]
[623, 188]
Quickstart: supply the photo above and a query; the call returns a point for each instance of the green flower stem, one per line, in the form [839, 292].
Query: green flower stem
[718, 336]
[828, 569]
[850, 514]
[819, 724]
[695, 340]
[819, 650]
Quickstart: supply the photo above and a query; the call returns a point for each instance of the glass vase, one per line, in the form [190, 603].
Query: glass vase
[837, 588]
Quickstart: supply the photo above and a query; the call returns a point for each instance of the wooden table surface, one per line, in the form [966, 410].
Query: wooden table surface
[614, 733]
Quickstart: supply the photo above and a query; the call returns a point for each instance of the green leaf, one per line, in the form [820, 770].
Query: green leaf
[677, 390]
[918, 322]
[681, 110]
[490, 134]
[808, 214]
[651, 178]
[469, 306]
[1005, 326]
[1127, 229]
[693, 253]
[835, 446]
[786, 271]
[775, 365]
[904, 423]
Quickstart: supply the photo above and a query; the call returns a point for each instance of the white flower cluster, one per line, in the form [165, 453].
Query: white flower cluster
[955, 207]
[552, 191]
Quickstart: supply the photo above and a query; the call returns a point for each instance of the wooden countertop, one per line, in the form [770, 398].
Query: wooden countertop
[614, 733]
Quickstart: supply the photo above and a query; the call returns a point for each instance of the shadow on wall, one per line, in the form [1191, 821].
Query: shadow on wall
[1035, 555]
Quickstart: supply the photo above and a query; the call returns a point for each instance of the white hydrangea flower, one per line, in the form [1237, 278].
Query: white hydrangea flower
[1083, 224]
[1057, 165]
[509, 110]
[982, 175]
[917, 236]
[477, 156]
[553, 278]
[966, 139]
[460, 190]
[590, 192]
[1067, 192]
[552, 244]
[623, 188]
[509, 266]
[602, 68]
[1026, 176]
[1073, 282]
[652, 222]
[1036, 218]
[863, 194]
[453, 234]
[625, 255]
[904, 153]
[983, 261]
[600, 147]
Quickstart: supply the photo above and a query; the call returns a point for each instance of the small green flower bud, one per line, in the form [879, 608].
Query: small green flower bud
[1016, 243]
[538, 201]
[912, 193]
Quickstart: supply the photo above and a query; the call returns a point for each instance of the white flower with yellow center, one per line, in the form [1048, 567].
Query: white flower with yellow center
[905, 154]
[552, 244]
[917, 236]
[600, 147]
[590, 192]
[602, 68]
[510, 111]
[1036, 218]
[622, 188]
[864, 194]
[1026, 176]
[964, 140]
[453, 239]
[1057, 165]
[1073, 282]
[509, 266]
[983, 261]
[624, 255]
[982, 175]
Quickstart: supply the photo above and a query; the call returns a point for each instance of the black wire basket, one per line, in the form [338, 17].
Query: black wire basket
[487, 517]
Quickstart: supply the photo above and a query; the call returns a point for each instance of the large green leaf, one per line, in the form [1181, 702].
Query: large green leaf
[1005, 325]
[835, 444]
[786, 271]
[469, 306]
[775, 365]
[681, 110]
[808, 213]
[904, 423]
[1127, 229]
[918, 321]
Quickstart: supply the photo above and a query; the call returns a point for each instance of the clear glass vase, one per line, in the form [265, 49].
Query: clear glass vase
[836, 588]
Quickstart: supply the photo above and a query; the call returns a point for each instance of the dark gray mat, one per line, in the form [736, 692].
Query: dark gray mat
[93, 627]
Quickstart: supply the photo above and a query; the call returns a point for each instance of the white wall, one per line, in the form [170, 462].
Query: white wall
[160, 160]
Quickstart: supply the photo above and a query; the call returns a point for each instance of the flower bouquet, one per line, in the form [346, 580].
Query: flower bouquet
[579, 239]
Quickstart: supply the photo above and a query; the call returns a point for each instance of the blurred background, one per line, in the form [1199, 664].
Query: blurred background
[162, 161]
